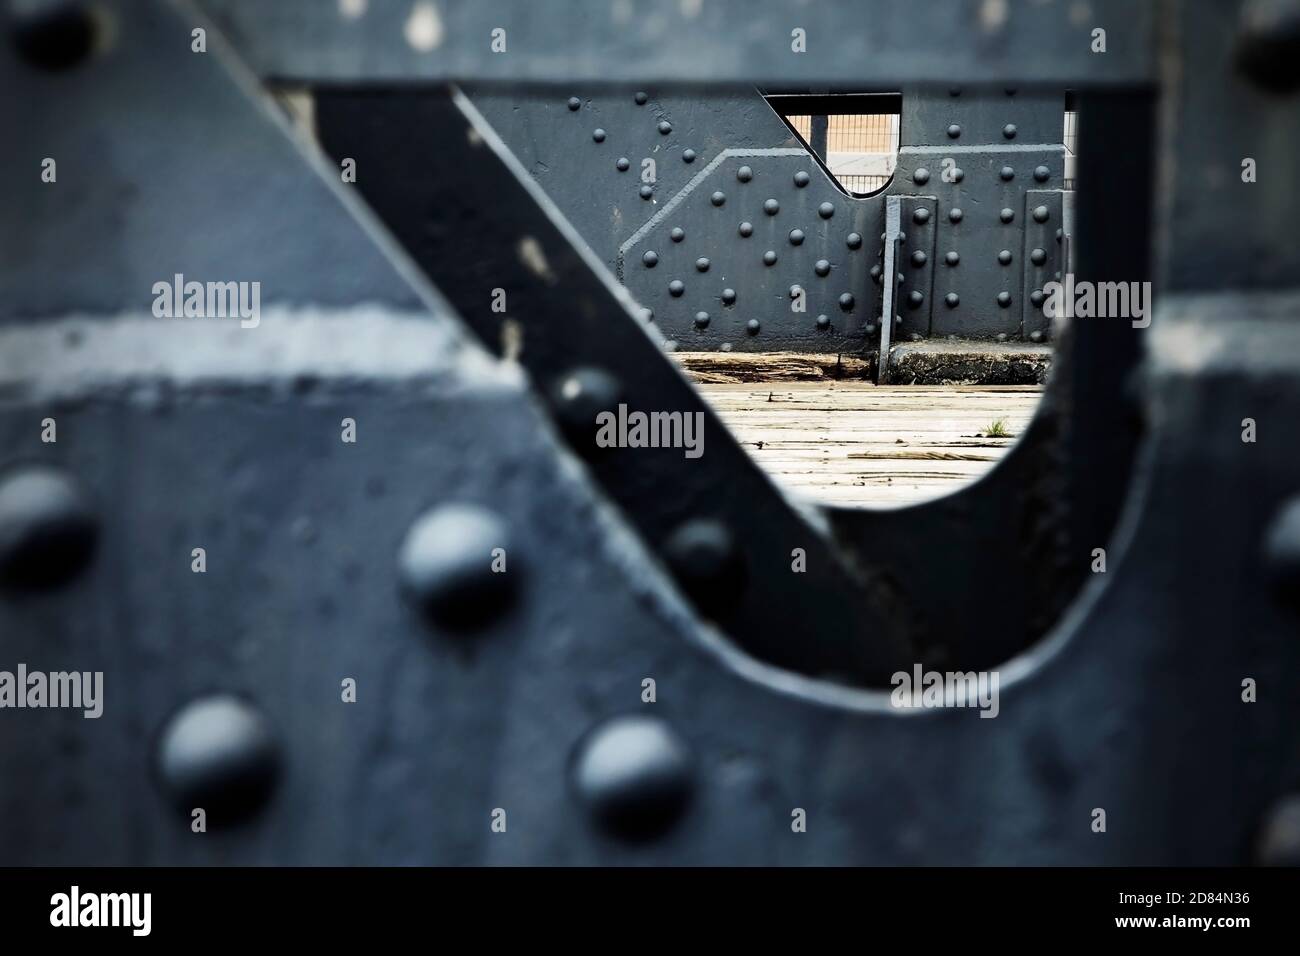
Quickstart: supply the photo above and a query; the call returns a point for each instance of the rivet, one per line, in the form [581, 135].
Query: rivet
[676, 288]
[957, 174]
[954, 214]
[219, 753]
[801, 179]
[1042, 174]
[53, 36]
[701, 320]
[901, 278]
[634, 775]
[1007, 174]
[688, 155]
[853, 240]
[1267, 46]
[952, 300]
[718, 198]
[921, 216]
[769, 257]
[648, 314]
[48, 531]
[915, 298]
[677, 234]
[1038, 257]
[640, 98]
[847, 302]
[1036, 335]
[822, 267]
[875, 273]
[598, 135]
[921, 176]
[744, 174]
[954, 131]
[1009, 131]
[575, 103]
[1059, 233]
[646, 191]
[665, 127]
[952, 258]
[702, 264]
[796, 291]
[746, 229]
[826, 210]
[752, 326]
[1007, 215]
[651, 259]
[1004, 299]
[1037, 297]
[823, 321]
[1281, 557]
[445, 561]
[623, 164]
[796, 237]
[869, 329]
[919, 258]
[1041, 214]
[706, 562]
[771, 207]
[1278, 841]
[1004, 257]
[728, 296]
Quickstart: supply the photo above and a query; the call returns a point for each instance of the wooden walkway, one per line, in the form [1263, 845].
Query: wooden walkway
[853, 443]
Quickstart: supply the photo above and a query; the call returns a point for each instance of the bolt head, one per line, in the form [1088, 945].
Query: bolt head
[688, 155]
[847, 302]
[623, 164]
[769, 257]
[952, 258]
[771, 207]
[752, 326]
[853, 240]
[728, 296]
[445, 562]
[718, 198]
[646, 191]
[1007, 215]
[598, 135]
[921, 216]
[574, 103]
[1009, 131]
[826, 210]
[48, 530]
[802, 179]
[921, 175]
[1281, 556]
[703, 556]
[702, 264]
[796, 237]
[823, 321]
[1041, 214]
[952, 300]
[634, 774]
[1004, 257]
[678, 234]
[1042, 174]
[640, 98]
[746, 229]
[665, 127]
[745, 174]
[822, 267]
[1004, 299]
[650, 259]
[954, 131]
[219, 753]
[701, 320]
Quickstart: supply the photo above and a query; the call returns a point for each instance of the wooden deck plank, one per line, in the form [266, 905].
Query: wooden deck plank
[853, 443]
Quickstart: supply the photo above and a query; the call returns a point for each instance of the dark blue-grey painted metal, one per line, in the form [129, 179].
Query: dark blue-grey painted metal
[711, 211]
[177, 434]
